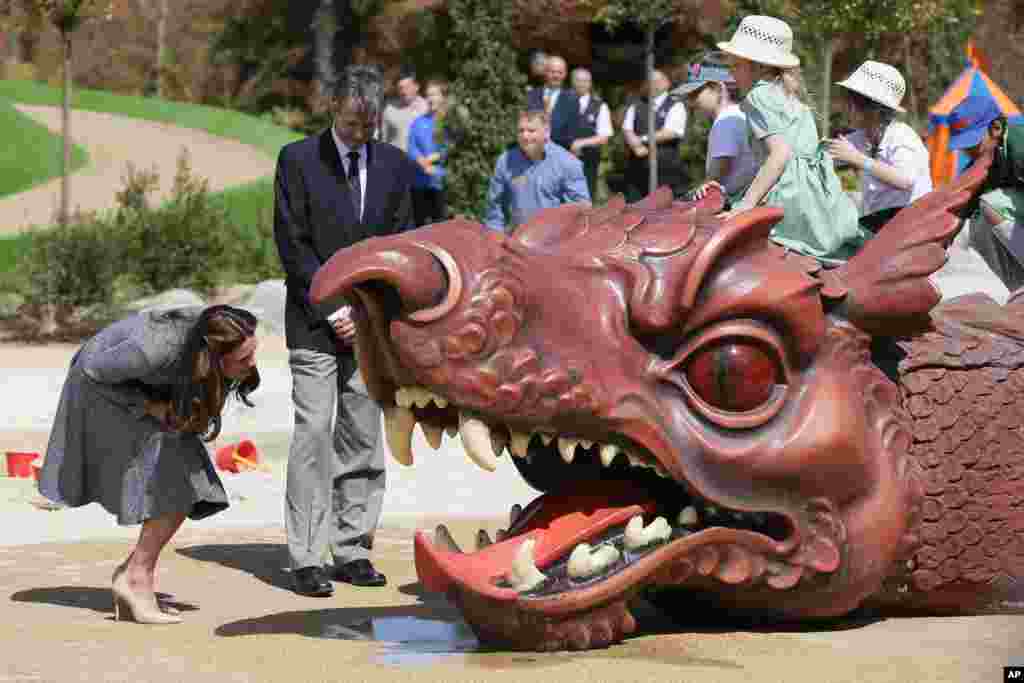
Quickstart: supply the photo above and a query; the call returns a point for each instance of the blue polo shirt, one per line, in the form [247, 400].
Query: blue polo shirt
[422, 144]
[520, 186]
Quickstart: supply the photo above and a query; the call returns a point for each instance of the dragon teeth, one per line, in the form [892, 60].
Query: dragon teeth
[638, 536]
[398, 425]
[524, 575]
[519, 443]
[499, 440]
[609, 452]
[688, 516]
[514, 514]
[585, 562]
[567, 447]
[433, 434]
[399, 420]
[407, 397]
[476, 440]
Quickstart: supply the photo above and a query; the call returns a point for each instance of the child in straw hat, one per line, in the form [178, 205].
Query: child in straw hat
[795, 171]
[892, 158]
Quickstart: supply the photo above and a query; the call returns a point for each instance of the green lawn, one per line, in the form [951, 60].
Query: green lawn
[244, 203]
[32, 154]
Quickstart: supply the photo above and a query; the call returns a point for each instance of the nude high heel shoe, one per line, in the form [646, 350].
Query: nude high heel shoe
[142, 611]
[164, 607]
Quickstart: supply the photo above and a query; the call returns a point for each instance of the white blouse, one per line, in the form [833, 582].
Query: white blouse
[902, 149]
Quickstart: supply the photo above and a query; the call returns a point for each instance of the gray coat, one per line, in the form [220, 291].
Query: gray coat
[104, 448]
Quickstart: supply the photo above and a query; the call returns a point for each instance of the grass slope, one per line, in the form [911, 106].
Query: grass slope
[244, 203]
[32, 153]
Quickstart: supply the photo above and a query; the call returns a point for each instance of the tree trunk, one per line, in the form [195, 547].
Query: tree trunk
[325, 29]
[65, 184]
[827, 48]
[161, 45]
[652, 145]
[908, 63]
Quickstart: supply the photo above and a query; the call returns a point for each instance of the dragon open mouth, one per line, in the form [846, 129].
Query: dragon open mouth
[611, 517]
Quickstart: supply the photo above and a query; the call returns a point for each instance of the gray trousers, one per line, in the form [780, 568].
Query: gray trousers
[335, 484]
[1002, 247]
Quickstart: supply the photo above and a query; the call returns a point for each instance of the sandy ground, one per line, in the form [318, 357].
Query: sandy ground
[114, 141]
[242, 622]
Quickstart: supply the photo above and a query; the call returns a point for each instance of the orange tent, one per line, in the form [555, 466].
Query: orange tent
[947, 163]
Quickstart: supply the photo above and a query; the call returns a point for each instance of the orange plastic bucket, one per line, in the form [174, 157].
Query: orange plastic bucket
[236, 456]
[20, 464]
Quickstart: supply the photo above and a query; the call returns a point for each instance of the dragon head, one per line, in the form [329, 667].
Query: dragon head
[698, 407]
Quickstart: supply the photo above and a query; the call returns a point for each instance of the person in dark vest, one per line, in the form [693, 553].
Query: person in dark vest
[594, 127]
[558, 101]
[670, 128]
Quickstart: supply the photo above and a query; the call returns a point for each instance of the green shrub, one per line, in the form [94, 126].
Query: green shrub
[188, 242]
[490, 91]
[71, 266]
[255, 255]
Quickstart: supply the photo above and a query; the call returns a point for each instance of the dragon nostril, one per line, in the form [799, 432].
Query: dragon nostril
[454, 286]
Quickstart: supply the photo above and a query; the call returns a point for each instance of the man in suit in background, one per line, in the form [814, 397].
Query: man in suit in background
[331, 191]
[561, 103]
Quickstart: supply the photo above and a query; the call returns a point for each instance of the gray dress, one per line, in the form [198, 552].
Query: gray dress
[104, 448]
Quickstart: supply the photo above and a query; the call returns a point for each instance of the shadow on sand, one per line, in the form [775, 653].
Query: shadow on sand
[265, 561]
[86, 597]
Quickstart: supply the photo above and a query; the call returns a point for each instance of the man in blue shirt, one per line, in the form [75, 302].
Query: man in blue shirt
[535, 174]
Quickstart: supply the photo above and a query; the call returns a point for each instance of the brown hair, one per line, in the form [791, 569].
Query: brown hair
[438, 83]
[201, 389]
[535, 115]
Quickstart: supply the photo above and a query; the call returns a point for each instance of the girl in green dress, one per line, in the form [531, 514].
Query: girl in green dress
[796, 172]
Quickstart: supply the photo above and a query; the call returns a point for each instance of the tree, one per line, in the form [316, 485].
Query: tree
[156, 11]
[650, 16]
[67, 16]
[866, 25]
[488, 89]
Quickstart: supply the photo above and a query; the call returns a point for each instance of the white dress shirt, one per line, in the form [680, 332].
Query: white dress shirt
[675, 121]
[343, 150]
[604, 116]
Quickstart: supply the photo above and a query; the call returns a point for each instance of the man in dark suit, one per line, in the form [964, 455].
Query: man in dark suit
[331, 191]
[561, 103]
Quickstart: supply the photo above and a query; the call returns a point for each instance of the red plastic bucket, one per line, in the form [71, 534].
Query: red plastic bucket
[20, 464]
[228, 457]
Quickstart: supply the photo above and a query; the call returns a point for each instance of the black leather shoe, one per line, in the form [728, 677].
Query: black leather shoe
[312, 581]
[360, 573]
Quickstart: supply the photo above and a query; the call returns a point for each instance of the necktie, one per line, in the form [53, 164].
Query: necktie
[354, 185]
[548, 98]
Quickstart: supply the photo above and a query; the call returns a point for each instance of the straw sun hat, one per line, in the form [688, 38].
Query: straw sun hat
[878, 82]
[765, 40]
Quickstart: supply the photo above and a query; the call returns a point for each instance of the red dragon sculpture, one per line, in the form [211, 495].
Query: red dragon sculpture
[711, 419]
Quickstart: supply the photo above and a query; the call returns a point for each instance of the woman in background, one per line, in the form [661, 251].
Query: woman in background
[139, 400]
[428, 149]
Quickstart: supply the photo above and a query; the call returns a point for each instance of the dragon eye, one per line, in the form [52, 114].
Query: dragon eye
[734, 375]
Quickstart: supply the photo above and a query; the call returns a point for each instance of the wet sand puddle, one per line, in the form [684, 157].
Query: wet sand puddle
[405, 640]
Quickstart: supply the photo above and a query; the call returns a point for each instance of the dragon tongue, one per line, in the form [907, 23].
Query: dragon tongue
[560, 523]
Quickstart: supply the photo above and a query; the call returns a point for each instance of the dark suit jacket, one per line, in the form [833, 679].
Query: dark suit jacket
[564, 117]
[314, 217]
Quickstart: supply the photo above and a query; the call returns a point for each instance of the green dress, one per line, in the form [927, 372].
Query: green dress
[821, 220]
